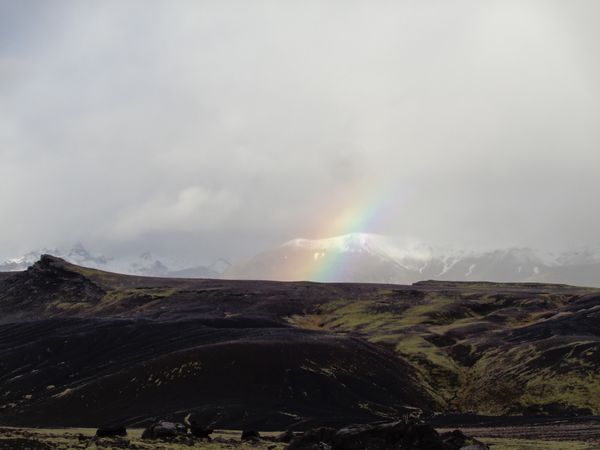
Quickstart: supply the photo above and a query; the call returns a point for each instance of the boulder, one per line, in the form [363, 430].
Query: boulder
[200, 426]
[164, 430]
[457, 440]
[111, 431]
[249, 435]
[199, 429]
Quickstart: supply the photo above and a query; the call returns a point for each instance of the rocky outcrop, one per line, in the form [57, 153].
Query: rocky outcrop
[50, 287]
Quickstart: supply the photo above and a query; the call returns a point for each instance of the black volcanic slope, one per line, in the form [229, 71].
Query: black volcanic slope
[73, 354]
[81, 347]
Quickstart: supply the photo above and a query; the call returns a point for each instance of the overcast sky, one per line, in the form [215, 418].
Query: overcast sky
[220, 128]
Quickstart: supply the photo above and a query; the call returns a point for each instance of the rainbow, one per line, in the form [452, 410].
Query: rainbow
[348, 220]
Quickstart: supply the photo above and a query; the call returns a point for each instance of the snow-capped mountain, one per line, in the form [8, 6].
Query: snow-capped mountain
[361, 257]
[145, 264]
[354, 257]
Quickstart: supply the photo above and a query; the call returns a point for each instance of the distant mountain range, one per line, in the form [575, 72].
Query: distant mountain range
[355, 257]
[361, 257]
[146, 264]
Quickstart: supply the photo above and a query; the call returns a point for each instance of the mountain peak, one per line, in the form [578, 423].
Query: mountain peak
[48, 261]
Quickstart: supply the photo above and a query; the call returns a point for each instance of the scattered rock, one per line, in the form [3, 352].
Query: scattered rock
[387, 436]
[399, 435]
[164, 430]
[23, 444]
[457, 440]
[112, 442]
[248, 435]
[199, 429]
[111, 431]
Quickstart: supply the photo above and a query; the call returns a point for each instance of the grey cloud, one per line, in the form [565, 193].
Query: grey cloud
[234, 125]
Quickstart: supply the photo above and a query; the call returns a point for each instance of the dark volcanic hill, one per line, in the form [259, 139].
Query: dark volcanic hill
[80, 347]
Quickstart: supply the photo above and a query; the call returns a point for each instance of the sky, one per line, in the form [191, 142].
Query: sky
[221, 128]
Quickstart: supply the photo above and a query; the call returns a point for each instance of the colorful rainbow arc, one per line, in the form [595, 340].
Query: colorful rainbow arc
[367, 213]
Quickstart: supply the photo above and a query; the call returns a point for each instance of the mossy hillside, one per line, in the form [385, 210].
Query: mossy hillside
[450, 341]
[531, 377]
[127, 298]
[402, 327]
[440, 374]
[388, 314]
